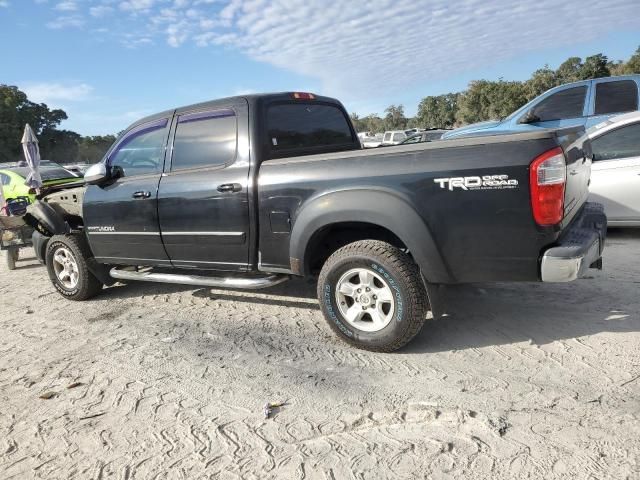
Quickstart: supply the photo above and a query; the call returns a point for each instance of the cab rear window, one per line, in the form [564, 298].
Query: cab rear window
[303, 126]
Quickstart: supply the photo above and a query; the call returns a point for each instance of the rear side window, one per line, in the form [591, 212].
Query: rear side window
[398, 137]
[567, 103]
[433, 136]
[623, 142]
[6, 180]
[387, 137]
[205, 139]
[616, 97]
[306, 126]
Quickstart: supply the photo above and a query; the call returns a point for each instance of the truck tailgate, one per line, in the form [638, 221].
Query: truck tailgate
[577, 149]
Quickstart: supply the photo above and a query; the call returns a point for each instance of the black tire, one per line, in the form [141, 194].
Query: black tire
[12, 253]
[404, 280]
[87, 285]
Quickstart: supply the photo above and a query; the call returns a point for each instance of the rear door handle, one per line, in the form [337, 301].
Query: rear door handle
[229, 187]
[141, 194]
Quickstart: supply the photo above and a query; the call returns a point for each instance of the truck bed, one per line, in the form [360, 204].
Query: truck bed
[479, 234]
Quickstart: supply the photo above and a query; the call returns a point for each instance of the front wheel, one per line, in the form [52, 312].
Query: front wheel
[372, 295]
[67, 267]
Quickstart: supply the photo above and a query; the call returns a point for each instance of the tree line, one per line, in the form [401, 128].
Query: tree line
[62, 146]
[483, 100]
[490, 100]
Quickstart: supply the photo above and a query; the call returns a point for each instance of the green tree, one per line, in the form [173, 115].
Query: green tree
[542, 80]
[92, 149]
[438, 111]
[373, 123]
[395, 119]
[570, 70]
[60, 146]
[16, 110]
[486, 100]
[595, 66]
[633, 64]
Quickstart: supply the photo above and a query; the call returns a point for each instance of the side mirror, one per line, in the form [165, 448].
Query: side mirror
[529, 117]
[96, 174]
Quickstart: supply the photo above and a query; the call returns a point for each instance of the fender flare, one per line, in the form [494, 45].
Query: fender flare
[45, 219]
[377, 207]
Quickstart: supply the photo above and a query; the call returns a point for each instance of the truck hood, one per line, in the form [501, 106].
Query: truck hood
[472, 129]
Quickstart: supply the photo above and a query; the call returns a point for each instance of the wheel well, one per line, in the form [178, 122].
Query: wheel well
[330, 238]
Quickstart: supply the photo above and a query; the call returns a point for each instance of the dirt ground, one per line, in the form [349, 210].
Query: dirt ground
[162, 381]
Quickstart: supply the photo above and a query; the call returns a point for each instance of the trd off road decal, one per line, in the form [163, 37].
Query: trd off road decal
[485, 182]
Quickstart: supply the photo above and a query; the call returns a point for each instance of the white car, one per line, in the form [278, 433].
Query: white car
[393, 137]
[615, 173]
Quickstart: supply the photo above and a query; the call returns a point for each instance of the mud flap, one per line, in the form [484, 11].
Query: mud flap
[100, 271]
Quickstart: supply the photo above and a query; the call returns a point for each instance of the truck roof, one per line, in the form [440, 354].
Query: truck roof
[251, 99]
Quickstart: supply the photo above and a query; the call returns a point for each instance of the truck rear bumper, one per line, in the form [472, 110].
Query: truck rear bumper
[579, 248]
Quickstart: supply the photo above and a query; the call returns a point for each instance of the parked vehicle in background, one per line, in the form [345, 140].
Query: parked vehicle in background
[424, 136]
[370, 141]
[584, 103]
[615, 174]
[13, 178]
[182, 198]
[393, 137]
[77, 168]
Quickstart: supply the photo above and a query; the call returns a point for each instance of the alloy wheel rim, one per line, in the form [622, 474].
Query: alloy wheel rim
[365, 300]
[66, 268]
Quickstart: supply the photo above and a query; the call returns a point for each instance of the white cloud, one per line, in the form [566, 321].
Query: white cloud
[66, 6]
[137, 4]
[57, 93]
[100, 11]
[66, 21]
[375, 45]
[4, 3]
[398, 43]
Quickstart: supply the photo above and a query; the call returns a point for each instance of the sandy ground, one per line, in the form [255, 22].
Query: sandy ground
[517, 381]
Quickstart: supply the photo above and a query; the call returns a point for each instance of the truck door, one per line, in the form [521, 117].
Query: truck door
[615, 176]
[203, 201]
[121, 217]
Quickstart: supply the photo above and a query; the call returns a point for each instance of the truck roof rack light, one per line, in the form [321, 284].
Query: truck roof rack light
[303, 96]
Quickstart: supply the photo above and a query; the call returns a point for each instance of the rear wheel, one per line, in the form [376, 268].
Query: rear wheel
[67, 267]
[372, 295]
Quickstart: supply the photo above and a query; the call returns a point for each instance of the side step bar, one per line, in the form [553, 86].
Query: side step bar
[201, 281]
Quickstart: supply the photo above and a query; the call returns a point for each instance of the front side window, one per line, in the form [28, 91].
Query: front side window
[623, 142]
[205, 139]
[565, 104]
[387, 137]
[306, 126]
[616, 97]
[141, 151]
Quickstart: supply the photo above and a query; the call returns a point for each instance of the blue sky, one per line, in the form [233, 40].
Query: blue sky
[109, 62]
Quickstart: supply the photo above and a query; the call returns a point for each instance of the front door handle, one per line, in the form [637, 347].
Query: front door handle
[229, 187]
[141, 194]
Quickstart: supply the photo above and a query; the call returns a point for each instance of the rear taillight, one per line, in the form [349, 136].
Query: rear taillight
[548, 177]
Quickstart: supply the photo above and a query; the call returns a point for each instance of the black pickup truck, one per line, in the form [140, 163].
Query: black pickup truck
[245, 192]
